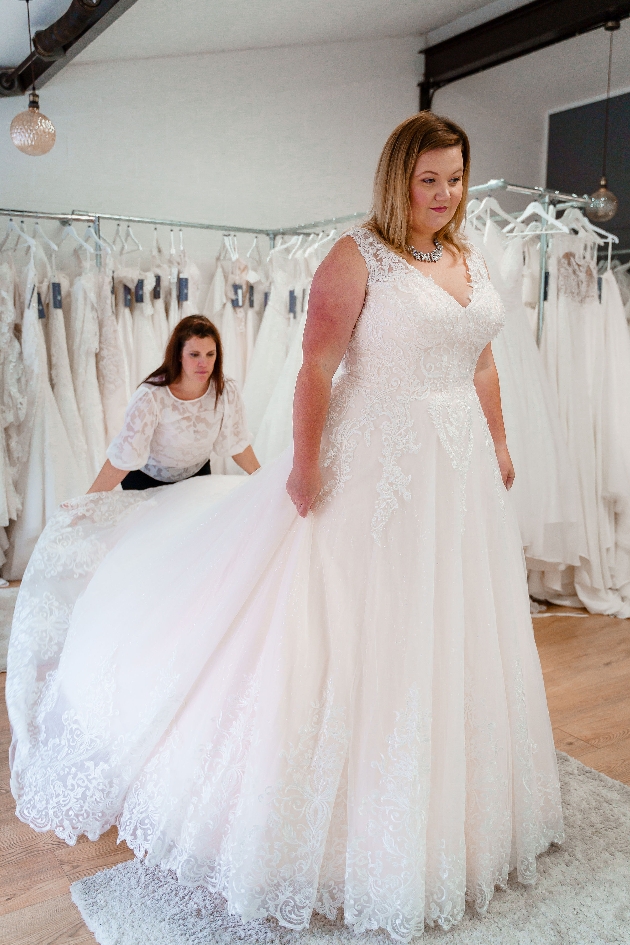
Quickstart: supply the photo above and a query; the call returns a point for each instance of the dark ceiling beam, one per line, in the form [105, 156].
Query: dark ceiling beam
[522, 31]
[59, 43]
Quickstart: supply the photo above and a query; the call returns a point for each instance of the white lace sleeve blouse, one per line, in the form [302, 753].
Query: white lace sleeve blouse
[170, 439]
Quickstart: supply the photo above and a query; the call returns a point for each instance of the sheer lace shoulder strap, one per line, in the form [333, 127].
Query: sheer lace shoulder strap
[382, 263]
[477, 268]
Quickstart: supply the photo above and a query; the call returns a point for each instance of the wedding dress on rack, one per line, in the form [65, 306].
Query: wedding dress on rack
[83, 341]
[48, 473]
[61, 375]
[273, 339]
[342, 710]
[13, 398]
[111, 365]
[574, 352]
[545, 492]
[147, 355]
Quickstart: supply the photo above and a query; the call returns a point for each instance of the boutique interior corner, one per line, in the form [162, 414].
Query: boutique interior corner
[191, 140]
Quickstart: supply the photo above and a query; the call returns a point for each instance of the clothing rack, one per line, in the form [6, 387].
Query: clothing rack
[547, 199]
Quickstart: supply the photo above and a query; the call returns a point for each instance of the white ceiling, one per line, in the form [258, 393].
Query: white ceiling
[166, 28]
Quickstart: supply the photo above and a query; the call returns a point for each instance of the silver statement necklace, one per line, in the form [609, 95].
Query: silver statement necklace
[426, 257]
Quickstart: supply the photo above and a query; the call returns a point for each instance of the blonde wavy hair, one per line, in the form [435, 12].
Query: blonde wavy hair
[389, 218]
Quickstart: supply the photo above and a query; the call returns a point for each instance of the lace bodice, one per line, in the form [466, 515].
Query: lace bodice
[171, 439]
[413, 343]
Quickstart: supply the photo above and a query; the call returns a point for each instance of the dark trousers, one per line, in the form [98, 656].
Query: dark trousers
[136, 479]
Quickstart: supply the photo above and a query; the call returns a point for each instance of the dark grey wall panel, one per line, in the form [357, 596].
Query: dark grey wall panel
[575, 151]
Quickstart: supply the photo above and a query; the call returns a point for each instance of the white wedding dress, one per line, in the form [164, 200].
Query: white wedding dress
[345, 710]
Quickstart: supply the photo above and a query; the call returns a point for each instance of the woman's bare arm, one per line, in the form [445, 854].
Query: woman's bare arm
[108, 478]
[489, 393]
[335, 302]
[247, 460]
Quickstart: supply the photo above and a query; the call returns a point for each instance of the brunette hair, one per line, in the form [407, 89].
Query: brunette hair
[389, 218]
[193, 326]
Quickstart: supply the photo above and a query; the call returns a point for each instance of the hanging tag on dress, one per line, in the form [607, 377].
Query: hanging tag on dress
[139, 291]
[546, 288]
[237, 301]
[157, 288]
[55, 288]
[182, 289]
[113, 285]
[303, 300]
[292, 303]
[126, 296]
[265, 300]
[41, 311]
[250, 295]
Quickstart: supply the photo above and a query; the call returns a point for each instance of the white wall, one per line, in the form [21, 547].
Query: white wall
[504, 110]
[263, 137]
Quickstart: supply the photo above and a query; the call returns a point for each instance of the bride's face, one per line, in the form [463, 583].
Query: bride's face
[436, 189]
[198, 359]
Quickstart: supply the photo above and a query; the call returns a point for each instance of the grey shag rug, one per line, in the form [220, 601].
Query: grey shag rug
[8, 597]
[582, 896]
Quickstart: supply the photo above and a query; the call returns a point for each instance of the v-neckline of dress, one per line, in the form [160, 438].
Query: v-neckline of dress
[444, 291]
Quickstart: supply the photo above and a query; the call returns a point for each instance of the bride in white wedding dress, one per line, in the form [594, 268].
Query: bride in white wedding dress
[330, 698]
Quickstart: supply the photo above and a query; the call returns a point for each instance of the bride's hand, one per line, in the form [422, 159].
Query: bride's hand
[505, 466]
[303, 486]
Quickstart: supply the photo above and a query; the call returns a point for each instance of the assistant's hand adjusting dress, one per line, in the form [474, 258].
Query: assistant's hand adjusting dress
[343, 710]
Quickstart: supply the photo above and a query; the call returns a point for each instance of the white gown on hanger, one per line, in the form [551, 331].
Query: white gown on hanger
[545, 493]
[61, 376]
[276, 428]
[124, 282]
[160, 288]
[83, 343]
[342, 710]
[272, 343]
[12, 391]
[573, 346]
[147, 355]
[49, 473]
[111, 367]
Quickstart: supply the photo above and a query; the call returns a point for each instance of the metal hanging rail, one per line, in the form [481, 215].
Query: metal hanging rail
[96, 218]
[542, 192]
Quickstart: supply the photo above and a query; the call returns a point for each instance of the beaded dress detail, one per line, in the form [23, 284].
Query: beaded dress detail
[342, 711]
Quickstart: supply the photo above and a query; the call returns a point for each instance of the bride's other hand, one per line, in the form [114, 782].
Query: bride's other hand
[505, 466]
[303, 486]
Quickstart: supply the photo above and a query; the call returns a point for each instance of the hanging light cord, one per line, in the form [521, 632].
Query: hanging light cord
[607, 101]
[30, 43]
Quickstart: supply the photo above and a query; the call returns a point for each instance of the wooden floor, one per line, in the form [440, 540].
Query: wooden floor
[586, 664]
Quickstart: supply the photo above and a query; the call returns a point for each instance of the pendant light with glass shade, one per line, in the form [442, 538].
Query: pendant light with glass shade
[31, 132]
[603, 205]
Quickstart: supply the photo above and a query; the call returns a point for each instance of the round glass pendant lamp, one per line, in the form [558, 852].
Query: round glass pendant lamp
[31, 132]
[603, 205]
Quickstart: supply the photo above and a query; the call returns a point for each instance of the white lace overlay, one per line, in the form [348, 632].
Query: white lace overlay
[413, 342]
[171, 439]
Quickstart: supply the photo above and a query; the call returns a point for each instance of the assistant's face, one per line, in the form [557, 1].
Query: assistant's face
[436, 188]
[198, 358]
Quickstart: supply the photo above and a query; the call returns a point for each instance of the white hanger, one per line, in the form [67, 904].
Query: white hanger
[321, 242]
[69, 230]
[14, 228]
[129, 236]
[487, 206]
[90, 233]
[181, 240]
[297, 246]
[253, 246]
[537, 209]
[118, 238]
[38, 233]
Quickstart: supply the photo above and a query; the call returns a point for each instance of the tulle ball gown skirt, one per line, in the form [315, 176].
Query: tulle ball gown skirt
[345, 710]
